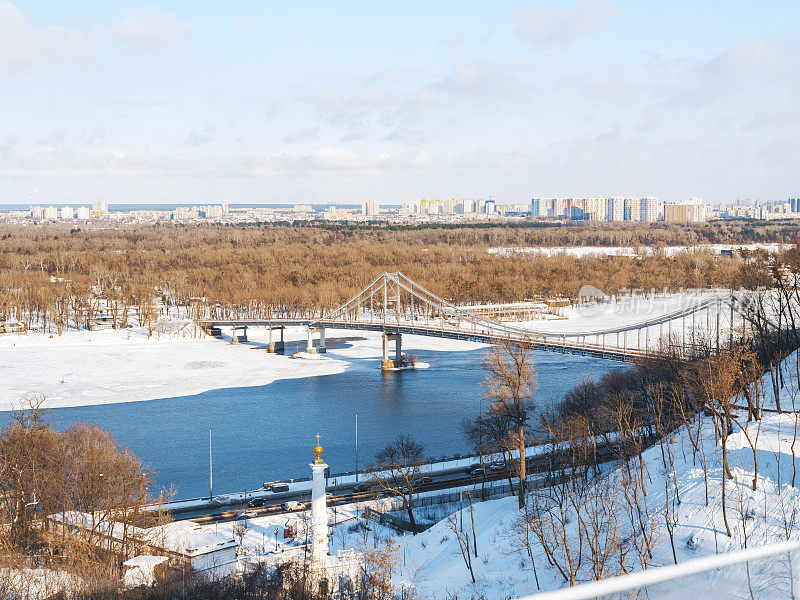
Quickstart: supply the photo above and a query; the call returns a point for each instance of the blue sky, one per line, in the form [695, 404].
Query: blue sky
[184, 102]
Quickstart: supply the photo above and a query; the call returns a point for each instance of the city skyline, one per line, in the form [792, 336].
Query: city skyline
[174, 103]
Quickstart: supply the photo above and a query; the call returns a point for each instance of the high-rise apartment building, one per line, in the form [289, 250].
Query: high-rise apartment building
[615, 208]
[100, 208]
[648, 209]
[370, 208]
[67, 213]
[83, 213]
[633, 210]
[595, 209]
[692, 211]
[541, 207]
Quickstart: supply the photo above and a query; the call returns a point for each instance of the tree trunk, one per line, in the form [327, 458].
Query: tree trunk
[522, 467]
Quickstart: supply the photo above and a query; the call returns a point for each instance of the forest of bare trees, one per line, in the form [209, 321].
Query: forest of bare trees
[61, 278]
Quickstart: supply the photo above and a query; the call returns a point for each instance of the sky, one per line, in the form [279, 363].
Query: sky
[325, 102]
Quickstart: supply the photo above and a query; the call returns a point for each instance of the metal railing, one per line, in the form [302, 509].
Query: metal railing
[765, 572]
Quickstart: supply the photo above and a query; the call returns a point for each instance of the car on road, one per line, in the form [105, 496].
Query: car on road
[257, 503]
[245, 514]
[424, 480]
[365, 486]
[293, 505]
[279, 487]
[492, 467]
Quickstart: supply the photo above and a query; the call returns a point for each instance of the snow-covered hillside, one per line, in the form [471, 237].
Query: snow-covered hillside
[768, 514]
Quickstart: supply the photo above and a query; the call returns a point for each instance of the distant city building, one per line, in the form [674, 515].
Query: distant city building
[633, 210]
[184, 212]
[37, 212]
[615, 208]
[225, 208]
[51, 212]
[370, 208]
[83, 213]
[100, 208]
[67, 213]
[334, 213]
[302, 208]
[691, 211]
[648, 209]
[595, 209]
[210, 212]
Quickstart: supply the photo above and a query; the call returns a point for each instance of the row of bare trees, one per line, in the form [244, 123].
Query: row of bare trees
[75, 493]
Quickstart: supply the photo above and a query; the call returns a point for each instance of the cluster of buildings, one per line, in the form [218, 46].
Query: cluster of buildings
[467, 207]
[749, 209]
[615, 208]
[212, 211]
[68, 213]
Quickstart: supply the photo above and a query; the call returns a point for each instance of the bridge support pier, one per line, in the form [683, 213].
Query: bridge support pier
[310, 344]
[237, 338]
[272, 346]
[386, 362]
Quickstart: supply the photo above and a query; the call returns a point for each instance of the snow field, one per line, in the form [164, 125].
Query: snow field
[81, 368]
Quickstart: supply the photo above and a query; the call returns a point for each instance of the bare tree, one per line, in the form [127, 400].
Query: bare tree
[509, 386]
[396, 470]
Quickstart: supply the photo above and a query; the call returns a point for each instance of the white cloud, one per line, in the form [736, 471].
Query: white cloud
[302, 135]
[335, 158]
[546, 24]
[200, 138]
[486, 83]
[23, 46]
[753, 67]
[153, 26]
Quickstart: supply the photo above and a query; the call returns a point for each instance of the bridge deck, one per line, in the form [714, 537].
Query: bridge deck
[562, 345]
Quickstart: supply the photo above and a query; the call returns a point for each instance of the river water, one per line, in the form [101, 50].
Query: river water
[266, 433]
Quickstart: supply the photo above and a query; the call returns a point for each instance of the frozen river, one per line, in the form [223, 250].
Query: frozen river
[266, 432]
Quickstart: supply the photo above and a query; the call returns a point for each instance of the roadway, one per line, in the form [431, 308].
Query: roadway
[344, 494]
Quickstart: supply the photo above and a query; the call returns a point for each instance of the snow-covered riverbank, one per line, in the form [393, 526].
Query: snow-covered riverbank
[105, 367]
[81, 368]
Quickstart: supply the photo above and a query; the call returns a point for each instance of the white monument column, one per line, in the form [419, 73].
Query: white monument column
[319, 509]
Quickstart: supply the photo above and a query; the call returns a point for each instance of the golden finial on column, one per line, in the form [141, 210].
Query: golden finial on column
[318, 451]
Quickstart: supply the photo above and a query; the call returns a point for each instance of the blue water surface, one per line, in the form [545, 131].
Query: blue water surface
[266, 433]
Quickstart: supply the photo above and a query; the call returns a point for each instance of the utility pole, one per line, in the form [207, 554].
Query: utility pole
[210, 466]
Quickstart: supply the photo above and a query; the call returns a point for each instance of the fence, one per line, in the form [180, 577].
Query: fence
[379, 512]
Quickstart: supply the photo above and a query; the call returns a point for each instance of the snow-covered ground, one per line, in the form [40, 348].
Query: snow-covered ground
[766, 515]
[82, 368]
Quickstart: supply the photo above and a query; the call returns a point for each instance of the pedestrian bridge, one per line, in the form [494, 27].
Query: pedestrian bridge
[395, 305]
